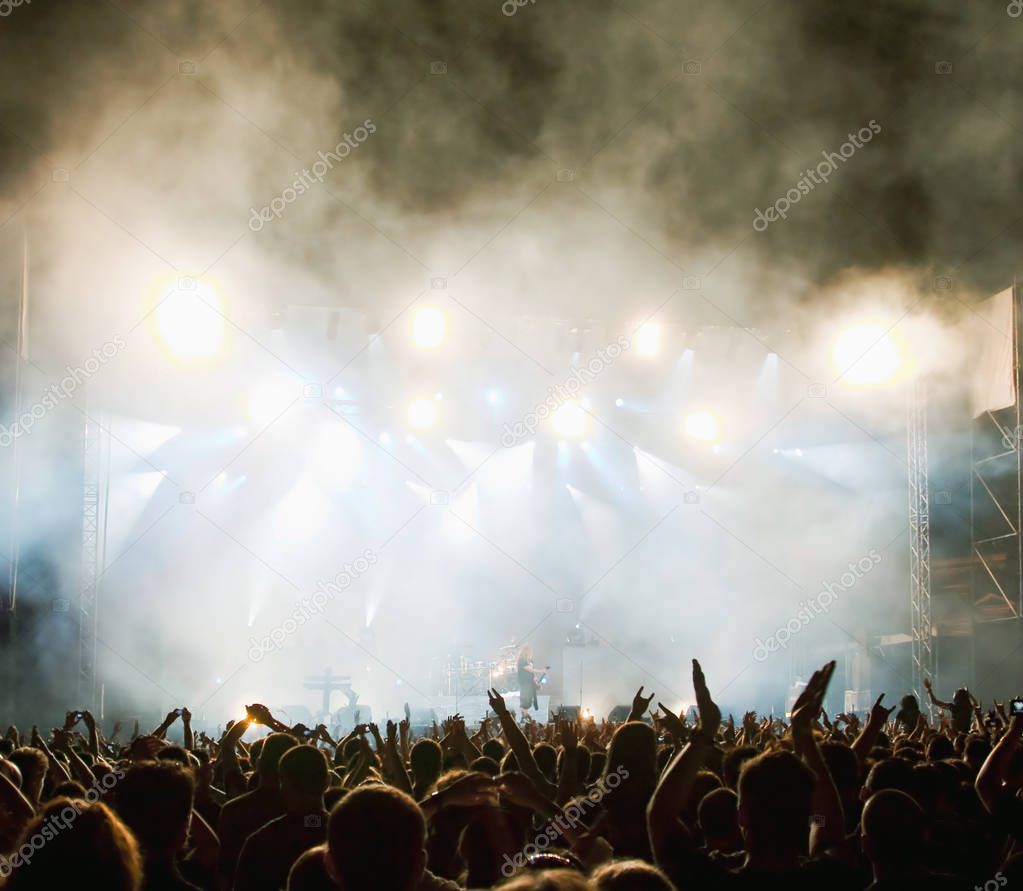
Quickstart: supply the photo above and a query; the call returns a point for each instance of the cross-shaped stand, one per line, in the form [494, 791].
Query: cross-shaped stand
[328, 684]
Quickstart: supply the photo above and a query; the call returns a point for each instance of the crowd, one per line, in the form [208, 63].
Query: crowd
[901, 800]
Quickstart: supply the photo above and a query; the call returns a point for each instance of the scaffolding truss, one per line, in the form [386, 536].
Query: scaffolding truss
[95, 491]
[921, 620]
[995, 500]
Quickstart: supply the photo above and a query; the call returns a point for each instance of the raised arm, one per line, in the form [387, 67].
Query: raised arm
[829, 827]
[17, 807]
[868, 736]
[993, 773]
[640, 704]
[161, 731]
[676, 782]
[929, 687]
[519, 745]
[186, 723]
[394, 769]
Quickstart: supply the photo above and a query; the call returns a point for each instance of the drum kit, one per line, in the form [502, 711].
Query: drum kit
[461, 675]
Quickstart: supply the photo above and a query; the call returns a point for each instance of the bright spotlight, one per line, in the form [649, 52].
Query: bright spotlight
[648, 339]
[569, 420]
[702, 425]
[428, 327]
[866, 356]
[422, 413]
[267, 403]
[189, 319]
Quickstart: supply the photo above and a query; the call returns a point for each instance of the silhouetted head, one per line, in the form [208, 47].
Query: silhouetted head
[32, 763]
[154, 798]
[633, 754]
[893, 832]
[630, 875]
[548, 880]
[304, 776]
[274, 747]
[94, 849]
[309, 872]
[375, 840]
[775, 792]
[718, 818]
[426, 759]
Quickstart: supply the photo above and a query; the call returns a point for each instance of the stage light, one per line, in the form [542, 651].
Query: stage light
[619, 402]
[384, 438]
[428, 327]
[648, 339]
[569, 421]
[866, 356]
[189, 319]
[422, 413]
[702, 426]
[301, 512]
[494, 397]
[268, 402]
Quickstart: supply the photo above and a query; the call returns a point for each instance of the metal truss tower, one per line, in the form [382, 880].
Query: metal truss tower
[95, 496]
[921, 621]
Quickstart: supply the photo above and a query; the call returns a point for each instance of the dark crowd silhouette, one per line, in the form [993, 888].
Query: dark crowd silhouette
[902, 797]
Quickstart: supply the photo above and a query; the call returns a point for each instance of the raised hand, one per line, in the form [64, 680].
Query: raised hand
[640, 704]
[259, 714]
[519, 790]
[472, 790]
[878, 713]
[62, 739]
[927, 684]
[710, 714]
[672, 723]
[497, 703]
[749, 725]
[808, 705]
[567, 736]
